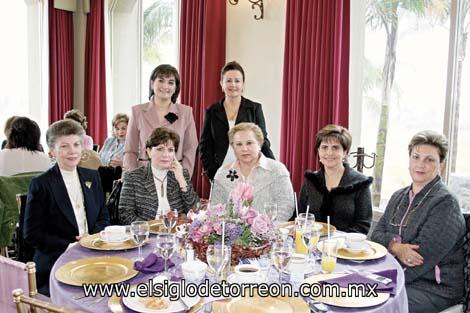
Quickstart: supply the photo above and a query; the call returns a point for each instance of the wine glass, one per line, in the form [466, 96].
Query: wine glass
[218, 258]
[311, 236]
[166, 246]
[140, 230]
[271, 210]
[169, 219]
[301, 223]
[280, 255]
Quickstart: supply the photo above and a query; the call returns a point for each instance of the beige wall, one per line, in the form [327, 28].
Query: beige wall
[259, 47]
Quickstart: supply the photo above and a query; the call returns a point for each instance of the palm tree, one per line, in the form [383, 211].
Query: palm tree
[384, 14]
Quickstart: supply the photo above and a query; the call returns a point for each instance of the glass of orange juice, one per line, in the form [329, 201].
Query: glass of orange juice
[328, 256]
[303, 222]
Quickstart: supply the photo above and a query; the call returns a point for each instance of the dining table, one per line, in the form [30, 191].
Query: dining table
[69, 296]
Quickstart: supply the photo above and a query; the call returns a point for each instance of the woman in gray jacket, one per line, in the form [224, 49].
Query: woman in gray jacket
[424, 229]
[160, 185]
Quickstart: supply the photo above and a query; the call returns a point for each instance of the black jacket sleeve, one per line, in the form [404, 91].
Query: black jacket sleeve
[206, 145]
[266, 148]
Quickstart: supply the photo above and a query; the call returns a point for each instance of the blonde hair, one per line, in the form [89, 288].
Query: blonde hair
[247, 127]
[120, 118]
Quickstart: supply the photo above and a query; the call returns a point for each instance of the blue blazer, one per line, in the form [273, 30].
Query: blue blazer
[50, 224]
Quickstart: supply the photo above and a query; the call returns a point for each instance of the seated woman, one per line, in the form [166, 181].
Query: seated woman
[113, 148]
[64, 203]
[424, 229]
[269, 178]
[23, 152]
[336, 190]
[78, 117]
[160, 185]
[7, 128]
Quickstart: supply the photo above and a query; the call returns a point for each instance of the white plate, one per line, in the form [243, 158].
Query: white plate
[127, 237]
[232, 279]
[135, 303]
[365, 247]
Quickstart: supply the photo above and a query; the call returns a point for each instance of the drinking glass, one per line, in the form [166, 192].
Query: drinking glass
[280, 255]
[218, 258]
[311, 236]
[301, 222]
[329, 254]
[169, 219]
[271, 210]
[166, 246]
[140, 230]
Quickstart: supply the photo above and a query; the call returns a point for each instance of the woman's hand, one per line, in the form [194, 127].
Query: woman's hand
[115, 163]
[407, 254]
[177, 168]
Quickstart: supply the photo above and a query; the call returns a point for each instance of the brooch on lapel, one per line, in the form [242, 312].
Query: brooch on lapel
[232, 174]
[171, 117]
[88, 184]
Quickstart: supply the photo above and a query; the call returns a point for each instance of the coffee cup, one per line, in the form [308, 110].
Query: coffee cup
[113, 233]
[355, 240]
[248, 273]
[194, 271]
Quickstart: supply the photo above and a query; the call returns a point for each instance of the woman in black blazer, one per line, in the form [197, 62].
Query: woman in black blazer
[223, 115]
[63, 204]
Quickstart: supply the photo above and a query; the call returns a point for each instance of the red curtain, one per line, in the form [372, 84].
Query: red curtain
[60, 62]
[95, 73]
[316, 75]
[202, 56]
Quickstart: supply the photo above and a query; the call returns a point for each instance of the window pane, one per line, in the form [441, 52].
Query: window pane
[405, 70]
[160, 37]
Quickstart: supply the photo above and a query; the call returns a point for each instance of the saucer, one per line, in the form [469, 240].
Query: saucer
[232, 279]
[126, 237]
[363, 248]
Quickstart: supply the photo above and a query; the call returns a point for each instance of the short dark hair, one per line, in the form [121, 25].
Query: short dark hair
[62, 128]
[165, 70]
[430, 137]
[78, 117]
[341, 134]
[8, 123]
[24, 133]
[162, 135]
[232, 66]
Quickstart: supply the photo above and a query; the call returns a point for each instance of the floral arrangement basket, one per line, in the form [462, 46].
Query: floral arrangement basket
[248, 232]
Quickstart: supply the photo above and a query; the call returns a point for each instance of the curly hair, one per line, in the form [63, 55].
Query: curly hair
[77, 116]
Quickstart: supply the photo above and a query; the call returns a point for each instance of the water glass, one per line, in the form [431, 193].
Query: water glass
[280, 256]
[169, 219]
[140, 231]
[329, 254]
[271, 210]
[218, 258]
[302, 223]
[310, 236]
[166, 246]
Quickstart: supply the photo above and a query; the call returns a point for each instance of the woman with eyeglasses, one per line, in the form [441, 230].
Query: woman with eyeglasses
[424, 229]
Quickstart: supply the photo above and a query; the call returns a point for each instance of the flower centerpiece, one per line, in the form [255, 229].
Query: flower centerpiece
[247, 231]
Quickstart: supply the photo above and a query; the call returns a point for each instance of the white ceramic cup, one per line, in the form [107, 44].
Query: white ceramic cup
[113, 233]
[355, 240]
[248, 273]
[194, 271]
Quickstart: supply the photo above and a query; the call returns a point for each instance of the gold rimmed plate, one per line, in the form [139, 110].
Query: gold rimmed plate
[344, 300]
[375, 251]
[267, 305]
[156, 226]
[94, 242]
[99, 270]
[324, 227]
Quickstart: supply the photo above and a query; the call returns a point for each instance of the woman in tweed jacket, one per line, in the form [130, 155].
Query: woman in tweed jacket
[424, 229]
[159, 186]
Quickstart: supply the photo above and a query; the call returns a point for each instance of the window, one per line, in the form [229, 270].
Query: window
[404, 86]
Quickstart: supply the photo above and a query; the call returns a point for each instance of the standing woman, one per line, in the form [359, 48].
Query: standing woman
[161, 111]
[64, 203]
[336, 190]
[223, 116]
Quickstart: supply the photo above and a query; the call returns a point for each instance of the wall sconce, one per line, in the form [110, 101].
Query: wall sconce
[254, 3]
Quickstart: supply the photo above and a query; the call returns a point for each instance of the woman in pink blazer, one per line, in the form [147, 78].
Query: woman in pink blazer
[161, 110]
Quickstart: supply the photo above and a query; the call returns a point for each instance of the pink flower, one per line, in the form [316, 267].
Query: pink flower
[216, 211]
[206, 228]
[248, 214]
[197, 236]
[243, 192]
[218, 228]
[261, 225]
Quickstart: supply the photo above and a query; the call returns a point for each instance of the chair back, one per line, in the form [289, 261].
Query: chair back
[113, 203]
[14, 276]
[90, 159]
[24, 250]
[22, 303]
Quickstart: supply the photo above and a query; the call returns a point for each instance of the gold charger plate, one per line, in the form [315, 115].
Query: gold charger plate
[99, 270]
[375, 251]
[262, 305]
[345, 301]
[115, 305]
[94, 242]
[324, 227]
[156, 227]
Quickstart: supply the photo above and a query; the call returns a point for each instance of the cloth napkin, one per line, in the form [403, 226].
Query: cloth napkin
[358, 278]
[151, 264]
